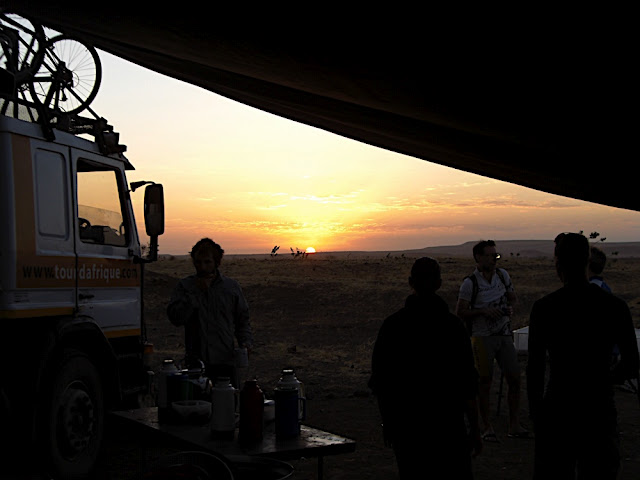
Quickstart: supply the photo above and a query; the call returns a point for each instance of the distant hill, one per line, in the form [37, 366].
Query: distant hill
[508, 248]
[528, 248]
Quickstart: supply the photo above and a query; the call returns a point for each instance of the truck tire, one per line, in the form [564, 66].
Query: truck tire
[74, 418]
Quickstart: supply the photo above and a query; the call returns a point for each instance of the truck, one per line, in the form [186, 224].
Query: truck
[73, 342]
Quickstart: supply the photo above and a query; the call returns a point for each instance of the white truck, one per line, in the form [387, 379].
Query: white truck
[72, 332]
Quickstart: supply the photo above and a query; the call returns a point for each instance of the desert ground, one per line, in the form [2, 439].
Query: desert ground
[320, 315]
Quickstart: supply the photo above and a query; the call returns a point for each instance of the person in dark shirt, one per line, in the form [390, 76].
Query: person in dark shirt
[424, 378]
[574, 329]
[213, 311]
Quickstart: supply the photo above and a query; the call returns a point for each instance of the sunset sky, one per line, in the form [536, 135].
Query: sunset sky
[251, 180]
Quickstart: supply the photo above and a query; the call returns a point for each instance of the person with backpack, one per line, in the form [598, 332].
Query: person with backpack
[485, 303]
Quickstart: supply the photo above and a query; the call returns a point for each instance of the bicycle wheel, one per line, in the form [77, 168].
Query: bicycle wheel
[21, 46]
[69, 77]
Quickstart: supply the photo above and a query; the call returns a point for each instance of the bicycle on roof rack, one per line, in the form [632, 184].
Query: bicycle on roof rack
[50, 80]
[61, 73]
[69, 76]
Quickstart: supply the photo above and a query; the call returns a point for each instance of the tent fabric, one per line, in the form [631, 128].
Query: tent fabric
[526, 107]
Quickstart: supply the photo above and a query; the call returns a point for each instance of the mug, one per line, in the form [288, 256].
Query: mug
[240, 357]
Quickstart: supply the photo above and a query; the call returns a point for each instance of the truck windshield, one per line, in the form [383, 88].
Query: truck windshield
[100, 217]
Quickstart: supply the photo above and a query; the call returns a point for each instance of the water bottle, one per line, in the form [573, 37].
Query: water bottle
[223, 409]
[251, 412]
[163, 401]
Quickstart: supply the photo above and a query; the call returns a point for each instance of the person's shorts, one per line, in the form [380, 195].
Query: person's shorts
[499, 348]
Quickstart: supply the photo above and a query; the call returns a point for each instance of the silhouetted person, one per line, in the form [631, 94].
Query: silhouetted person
[425, 382]
[597, 262]
[574, 329]
[213, 311]
[485, 303]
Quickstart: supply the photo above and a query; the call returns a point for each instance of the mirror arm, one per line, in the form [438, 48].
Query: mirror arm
[152, 256]
[153, 249]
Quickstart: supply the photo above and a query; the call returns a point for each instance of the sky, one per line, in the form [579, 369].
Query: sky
[251, 180]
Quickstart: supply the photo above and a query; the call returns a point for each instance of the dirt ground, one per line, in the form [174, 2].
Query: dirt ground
[320, 316]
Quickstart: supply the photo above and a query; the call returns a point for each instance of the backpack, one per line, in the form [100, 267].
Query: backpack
[474, 292]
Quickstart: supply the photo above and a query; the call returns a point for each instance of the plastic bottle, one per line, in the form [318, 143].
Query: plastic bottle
[251, 412]
[163, 401]
[223, 409]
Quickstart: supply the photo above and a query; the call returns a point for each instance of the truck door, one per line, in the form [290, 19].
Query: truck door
[108, 279]
[45, 257]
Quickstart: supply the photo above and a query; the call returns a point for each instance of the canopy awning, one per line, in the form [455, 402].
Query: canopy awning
[527, 106]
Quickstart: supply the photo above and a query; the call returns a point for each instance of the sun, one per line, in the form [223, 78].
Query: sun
[310, 250]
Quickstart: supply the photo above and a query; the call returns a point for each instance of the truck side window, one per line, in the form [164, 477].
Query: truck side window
[100, 217]
[51, 194]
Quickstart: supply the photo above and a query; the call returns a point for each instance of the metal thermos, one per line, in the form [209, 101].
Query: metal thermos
[163, 400]
[290, 405]
[251, 412]
[223, 409]
[288, 380]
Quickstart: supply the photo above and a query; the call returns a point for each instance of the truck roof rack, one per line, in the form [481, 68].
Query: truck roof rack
[98, 127]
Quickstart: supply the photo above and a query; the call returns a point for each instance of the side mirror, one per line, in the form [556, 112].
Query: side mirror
[154, 216]
[154, 209]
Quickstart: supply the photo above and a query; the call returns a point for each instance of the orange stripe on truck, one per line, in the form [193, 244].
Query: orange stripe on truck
[122, 333]
[36, 312]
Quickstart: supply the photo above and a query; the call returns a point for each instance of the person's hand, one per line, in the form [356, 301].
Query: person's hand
[203, 282]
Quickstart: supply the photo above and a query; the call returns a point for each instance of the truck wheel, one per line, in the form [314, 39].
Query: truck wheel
[75, 421]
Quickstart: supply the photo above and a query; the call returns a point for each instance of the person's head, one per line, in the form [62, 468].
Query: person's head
[206, 256]
[425, 275]
[597, 261]
[572, 256]
[484, 253]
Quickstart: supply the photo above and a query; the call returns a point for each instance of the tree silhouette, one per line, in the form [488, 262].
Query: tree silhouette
[297, 252]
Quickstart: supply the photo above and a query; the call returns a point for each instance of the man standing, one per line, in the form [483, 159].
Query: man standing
[213, 311]
[485, 302]
[423, 376]
[574, 330]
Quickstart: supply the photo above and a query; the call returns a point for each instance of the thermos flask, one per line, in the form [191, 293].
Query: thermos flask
[163, 399]
[290, 406]
[223, 409]
[251, 412]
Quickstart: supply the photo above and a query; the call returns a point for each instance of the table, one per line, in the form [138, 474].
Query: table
[312, 442]
[521, 339]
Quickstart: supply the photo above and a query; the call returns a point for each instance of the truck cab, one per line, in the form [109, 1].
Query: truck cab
[71, 274]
